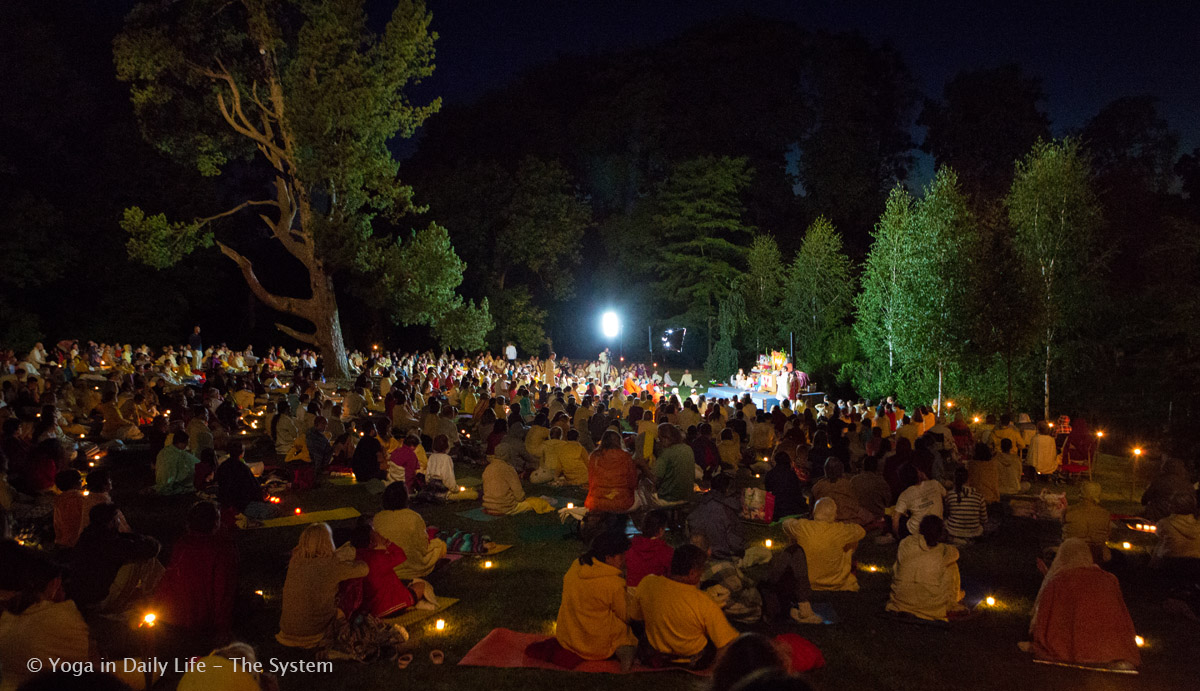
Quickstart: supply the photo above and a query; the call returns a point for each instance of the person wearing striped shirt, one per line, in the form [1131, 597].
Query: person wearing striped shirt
[966, 512]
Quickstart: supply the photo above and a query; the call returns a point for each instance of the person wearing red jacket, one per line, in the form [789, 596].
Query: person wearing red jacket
[649, 553]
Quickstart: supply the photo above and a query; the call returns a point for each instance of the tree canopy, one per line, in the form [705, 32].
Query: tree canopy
[306, 96]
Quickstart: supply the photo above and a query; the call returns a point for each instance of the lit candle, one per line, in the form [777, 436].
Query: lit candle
[991, 601]
[149, 619]
[440, 625]
[570, 505]
[258, 593]
[297, 510]
[487, 564]
[1126, 545]
[768, 543]
[1141, 642]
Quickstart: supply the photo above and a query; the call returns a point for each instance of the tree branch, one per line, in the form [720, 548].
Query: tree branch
[294, 306]
[310, 339]
[234, 210]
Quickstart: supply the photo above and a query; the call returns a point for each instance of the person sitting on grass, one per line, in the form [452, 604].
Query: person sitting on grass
[99, 491]
[68, 508]
[593, 618]
[1008, 469]
[983, 473]
[784, 482]
[441, 465]
[405, 528]
[403, 465]
[1178, 549]
[216, 671]
[196, 593]
[681, 622]
[369, 462]
[718, 519]
[840, 488]
[1079, 616]
[674, 467]
[110, 570]
[175, 468]
[310, 617]
[786, 587]
[925, 578]
[649, 553]
[966, 512]
[1089, 521]
[871, 490]
[729, 450]
[923, 497]
[564, 460]
[828, 546]
[116, 426]
[38, 622]
[612, 476]
[503, 494]
[383, 594]
[237, 488]
[724, 581]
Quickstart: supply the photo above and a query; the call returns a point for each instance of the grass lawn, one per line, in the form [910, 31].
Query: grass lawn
[864, 651]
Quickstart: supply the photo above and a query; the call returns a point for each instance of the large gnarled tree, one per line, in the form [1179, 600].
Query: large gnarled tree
[309, 95]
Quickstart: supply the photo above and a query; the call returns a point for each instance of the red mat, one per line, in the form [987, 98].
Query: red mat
[506, 649]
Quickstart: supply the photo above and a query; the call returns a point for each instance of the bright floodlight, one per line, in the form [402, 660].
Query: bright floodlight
[610, 324]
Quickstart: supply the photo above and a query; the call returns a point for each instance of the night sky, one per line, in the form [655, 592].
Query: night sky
[1086, 53]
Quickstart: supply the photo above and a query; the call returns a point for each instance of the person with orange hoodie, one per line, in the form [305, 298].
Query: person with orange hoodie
[612, 477]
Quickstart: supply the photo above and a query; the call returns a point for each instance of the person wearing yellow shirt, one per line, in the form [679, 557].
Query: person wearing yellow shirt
[563, 458]
[593, 619]
[537, 435]
[828, 546]
[1006, 430]
[682, 622]
[729, 450]
[925, 579]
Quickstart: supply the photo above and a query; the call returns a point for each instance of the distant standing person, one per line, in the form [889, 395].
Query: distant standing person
[510, 352]
[197, 347]
[548, 371]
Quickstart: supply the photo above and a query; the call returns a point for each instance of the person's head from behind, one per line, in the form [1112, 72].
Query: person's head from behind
[909, 475]
[180, 439]
[360, 535]
[834, 470]
[870, 464]
[721, 485]
[610, 440]
[441, 443]
[931, 529]
[960, 478]
[67, 480]
[1006, 446]
[203, 518]
[687, 564]
[99, 481]
[609, 547]
[103, 517]
[556, 432]
[395, 497]
[654, 525]
[316, 541]
[747, 654]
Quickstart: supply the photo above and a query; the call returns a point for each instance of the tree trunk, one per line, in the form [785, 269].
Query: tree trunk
[328, 328]
[1008, 367]
[1046, 399]
[939, 400]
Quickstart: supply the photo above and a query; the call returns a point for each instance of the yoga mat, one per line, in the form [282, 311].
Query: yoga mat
[477, 514]
[506, 649]
[1089, 668]
[412, 615]
[312, 517]
[342, 481]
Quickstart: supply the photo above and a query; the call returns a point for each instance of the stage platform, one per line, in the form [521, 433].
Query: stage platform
[764, 401]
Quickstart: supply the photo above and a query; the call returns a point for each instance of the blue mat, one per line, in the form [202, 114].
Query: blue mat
[477, 514]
